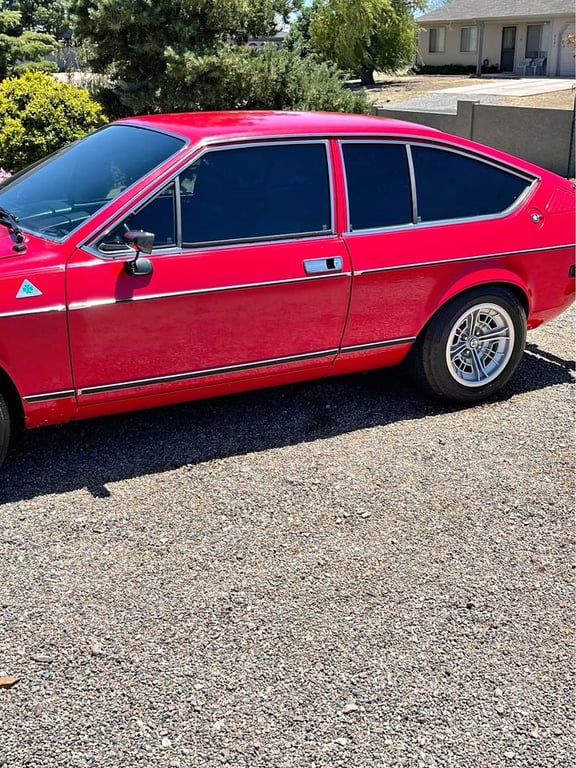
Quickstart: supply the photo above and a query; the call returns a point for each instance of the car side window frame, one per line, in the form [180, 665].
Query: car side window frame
[283, 237]
[530, 179]
[180, 245]
[117, 249]
[410, 177]
[416, 222]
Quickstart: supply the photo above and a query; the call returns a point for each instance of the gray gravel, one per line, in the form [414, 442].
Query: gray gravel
[338, 573]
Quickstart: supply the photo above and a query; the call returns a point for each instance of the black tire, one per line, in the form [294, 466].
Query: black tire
[5, 429]
[472, 346]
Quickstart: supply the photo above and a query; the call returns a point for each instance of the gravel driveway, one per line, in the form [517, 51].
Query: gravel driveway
[339, 573]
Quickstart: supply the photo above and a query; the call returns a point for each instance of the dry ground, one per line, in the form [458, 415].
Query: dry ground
[390, 89]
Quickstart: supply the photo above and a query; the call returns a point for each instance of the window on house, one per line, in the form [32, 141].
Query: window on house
[534, 41]
[469, 39]
[437, 40]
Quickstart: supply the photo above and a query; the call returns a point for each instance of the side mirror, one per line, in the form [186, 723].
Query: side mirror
[142, 242]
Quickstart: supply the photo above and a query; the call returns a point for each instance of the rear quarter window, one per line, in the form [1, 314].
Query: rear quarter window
[450, 185]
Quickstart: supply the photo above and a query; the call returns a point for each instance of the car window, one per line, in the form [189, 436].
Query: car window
[378, 182]
[55, 196]
[450, 185]
[157, 216]
[256, 192]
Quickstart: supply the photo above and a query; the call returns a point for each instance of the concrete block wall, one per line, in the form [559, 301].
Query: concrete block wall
[542, 136]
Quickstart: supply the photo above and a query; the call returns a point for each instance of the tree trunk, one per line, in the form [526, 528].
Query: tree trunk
[367, 76]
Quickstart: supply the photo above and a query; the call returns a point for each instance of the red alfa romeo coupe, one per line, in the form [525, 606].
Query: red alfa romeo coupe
[177, 257]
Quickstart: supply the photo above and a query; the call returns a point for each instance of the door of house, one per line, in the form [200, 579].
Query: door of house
[567, 66]
[508, 49]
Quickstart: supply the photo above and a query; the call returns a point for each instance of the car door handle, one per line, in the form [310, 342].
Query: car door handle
[318, 266]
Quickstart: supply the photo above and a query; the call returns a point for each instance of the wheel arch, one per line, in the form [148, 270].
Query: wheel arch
[488, 279]
[13, 400]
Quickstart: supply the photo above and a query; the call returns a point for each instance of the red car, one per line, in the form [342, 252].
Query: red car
[177, 257]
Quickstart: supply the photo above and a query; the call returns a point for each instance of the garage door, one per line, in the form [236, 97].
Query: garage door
[567, 59]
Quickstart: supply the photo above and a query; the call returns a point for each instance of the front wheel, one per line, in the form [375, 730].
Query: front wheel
[473, 345]
[4, 429]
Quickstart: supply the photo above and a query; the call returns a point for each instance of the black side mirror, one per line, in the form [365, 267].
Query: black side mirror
[142, 242]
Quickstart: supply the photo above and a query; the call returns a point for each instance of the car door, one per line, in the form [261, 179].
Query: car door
[248, 278]
[422, 219]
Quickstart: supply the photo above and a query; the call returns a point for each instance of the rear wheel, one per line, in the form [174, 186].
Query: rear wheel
[473, 345]
[4, 429]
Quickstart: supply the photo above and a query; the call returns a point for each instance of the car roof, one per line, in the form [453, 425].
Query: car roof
[202, 126]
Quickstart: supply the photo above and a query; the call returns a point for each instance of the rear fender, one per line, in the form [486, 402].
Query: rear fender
[488, 277]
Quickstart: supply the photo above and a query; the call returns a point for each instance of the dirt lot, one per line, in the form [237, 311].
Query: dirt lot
[389, 90]
[338, 574]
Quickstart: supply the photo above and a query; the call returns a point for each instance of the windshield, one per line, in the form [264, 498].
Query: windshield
[57, 195]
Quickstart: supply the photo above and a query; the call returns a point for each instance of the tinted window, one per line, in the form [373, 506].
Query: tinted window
[256, 192]
[60, 193]
[157, 216]
[453, 186]
[378, 182]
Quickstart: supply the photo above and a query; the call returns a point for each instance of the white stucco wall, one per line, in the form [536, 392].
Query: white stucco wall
[552, 36]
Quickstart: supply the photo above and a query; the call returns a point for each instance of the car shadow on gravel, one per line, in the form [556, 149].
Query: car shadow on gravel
[91, 454]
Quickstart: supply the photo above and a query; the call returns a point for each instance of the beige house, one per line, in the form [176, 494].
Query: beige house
[521, 37]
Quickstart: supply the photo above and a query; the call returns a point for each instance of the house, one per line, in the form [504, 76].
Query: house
[520, 37]
[276, 40]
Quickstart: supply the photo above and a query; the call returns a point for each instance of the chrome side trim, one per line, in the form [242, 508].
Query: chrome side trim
[37, 311]
[205, 372]
[379, 344]
[239, 367]
[49, 396]
[195, 292]
[460, 260]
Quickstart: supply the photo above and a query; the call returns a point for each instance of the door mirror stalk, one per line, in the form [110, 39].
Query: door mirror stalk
[141, 242]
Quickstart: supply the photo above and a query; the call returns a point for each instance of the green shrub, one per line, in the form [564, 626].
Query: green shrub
[38, 115]
[35, 66]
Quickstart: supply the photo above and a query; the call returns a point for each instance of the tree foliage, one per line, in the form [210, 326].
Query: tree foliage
[364, 35]
[49, 16]
[298, 38]
[20, 49]
[190, 54]
[38, 115]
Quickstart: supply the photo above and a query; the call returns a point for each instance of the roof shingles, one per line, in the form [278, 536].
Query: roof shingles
[469, 10]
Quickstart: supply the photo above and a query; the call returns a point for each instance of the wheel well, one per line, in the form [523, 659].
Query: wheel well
[13, 401]
[510, 287]
[518, 292]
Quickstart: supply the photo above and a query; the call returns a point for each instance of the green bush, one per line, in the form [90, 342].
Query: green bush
[38, 115]
[35, 66]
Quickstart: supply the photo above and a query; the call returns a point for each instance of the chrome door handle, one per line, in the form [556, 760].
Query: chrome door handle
[318, 266]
